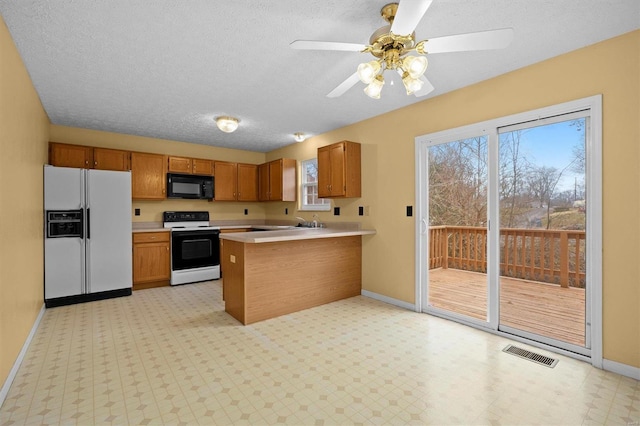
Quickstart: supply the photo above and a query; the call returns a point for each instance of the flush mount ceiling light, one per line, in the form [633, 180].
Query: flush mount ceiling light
[227, 124]
[299, 137]
[391, 45]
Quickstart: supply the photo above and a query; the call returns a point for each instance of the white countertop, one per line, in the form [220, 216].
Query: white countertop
[293, 234]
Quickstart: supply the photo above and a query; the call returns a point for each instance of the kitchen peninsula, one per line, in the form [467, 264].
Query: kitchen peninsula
[272, 273]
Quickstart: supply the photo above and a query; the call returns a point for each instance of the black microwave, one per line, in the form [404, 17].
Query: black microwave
[189, 186]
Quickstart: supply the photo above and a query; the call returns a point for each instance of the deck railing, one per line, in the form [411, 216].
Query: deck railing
[545, 255]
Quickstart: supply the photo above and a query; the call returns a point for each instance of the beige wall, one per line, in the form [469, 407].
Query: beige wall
[611, 68]
[23, 151]
[151, 211]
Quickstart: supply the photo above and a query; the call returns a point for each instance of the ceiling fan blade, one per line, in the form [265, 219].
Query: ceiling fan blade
[326, 45]
[344, 86]
[484, 40]
[427, 88]
[408, 15]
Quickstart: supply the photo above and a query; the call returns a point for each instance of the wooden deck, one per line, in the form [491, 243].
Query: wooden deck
[545, 309]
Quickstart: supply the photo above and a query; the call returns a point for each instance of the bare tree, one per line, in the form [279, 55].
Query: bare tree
[458, 183]
[512, 170]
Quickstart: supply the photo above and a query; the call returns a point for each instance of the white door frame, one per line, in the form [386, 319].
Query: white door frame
[593, 227]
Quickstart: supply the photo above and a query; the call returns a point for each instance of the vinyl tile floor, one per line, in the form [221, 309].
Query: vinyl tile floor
[172, 355]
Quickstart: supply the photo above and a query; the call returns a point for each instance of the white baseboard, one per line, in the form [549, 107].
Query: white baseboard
[389, 300]
[16, 365]
[623, 369]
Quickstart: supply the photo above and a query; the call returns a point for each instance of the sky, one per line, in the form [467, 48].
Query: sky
[552, 145]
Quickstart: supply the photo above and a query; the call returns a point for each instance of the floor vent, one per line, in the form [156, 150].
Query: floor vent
[531, 356]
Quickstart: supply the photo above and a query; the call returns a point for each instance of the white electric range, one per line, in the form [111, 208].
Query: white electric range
[195, 247]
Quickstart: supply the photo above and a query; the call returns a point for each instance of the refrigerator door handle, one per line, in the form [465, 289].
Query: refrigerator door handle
[88, 223]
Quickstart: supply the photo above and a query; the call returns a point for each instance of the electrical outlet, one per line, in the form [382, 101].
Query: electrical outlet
[246, 211]
[137, 212]
[360, 211]
[232, 258]
[336, 211]
[286, 210]
[409, 211]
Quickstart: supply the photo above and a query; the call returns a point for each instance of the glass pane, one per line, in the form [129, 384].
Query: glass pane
[458, 179]
[542, 230]
[310, 174]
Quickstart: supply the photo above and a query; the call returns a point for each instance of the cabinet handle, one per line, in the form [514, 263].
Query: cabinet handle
[153, 238]
[86, 162]
[95, 163]
[167, 248]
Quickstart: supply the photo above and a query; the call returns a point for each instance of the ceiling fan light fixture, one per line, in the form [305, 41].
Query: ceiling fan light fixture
[415, 65]
[227, 124]
[375, 87]
[411, 84]
[367, 71]
[299, 137]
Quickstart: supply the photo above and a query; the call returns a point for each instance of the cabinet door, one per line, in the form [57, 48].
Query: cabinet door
[180, 165]
[63, 155]
[324, 171]
[201, 167]
[275, 180]
[247, 182]
[226, 182]
[151, 262]
[148, 176]
[337, 181]
[110, 159]
[263, 182]
[288, 181]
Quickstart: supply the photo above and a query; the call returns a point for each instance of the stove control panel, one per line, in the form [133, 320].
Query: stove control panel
[185, 216]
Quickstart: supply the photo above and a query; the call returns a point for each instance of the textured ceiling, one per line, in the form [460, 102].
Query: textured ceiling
[166, 68]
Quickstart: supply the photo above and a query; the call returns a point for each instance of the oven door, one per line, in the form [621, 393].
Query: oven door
[195, 249]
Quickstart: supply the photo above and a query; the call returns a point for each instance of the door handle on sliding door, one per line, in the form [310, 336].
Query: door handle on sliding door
[424, 226]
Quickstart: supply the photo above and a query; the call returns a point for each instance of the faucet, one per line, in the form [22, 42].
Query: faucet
[315, 220]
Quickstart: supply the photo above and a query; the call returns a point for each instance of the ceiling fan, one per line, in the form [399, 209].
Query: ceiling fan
[390, 45]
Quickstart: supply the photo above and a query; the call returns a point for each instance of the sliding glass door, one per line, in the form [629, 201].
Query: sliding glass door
[506, 237]
[457, 252]
[542, 217]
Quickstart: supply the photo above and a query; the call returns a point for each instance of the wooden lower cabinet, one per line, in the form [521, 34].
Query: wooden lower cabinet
[266, 280]
[151, 259]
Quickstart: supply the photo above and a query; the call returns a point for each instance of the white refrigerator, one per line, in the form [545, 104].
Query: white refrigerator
[91, 259]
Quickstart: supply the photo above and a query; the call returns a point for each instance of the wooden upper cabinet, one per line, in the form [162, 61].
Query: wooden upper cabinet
[277, 180]
[201, 167]
[263, 182]
[63, 155]
[247, 182]
[195, 166]
[226, 181]
[179, 165]
[111, 159]
[148, 176]
[86, 157]
[339, 170]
